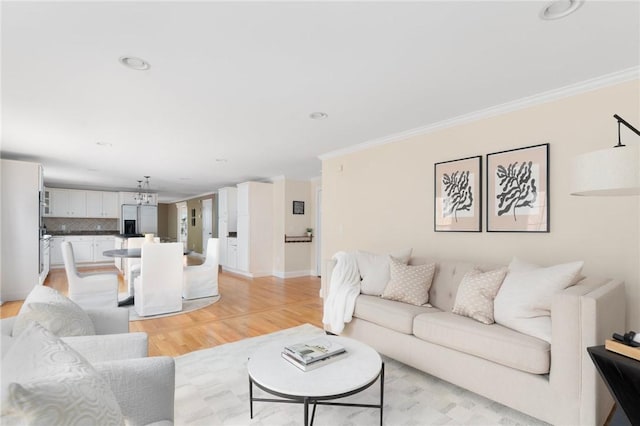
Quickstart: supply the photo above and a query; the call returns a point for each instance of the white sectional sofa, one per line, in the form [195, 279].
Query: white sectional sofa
[555, 382]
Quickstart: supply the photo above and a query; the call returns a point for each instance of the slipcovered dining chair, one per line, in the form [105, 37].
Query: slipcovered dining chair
[133, 263]
[158, 289]
[93, 290]
[202, 280]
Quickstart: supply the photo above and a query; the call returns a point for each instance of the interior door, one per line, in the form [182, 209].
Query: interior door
[207, 223]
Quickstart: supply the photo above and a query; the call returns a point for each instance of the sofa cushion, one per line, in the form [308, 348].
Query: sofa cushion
[476, 293]
[492, 342]
[397, 316]
[44, 381]
[409, 283]
[523, 302]
[374, 270]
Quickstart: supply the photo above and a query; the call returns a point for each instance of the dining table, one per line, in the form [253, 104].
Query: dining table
[131, 253]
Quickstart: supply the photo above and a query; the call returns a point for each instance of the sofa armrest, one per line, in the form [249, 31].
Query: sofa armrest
[581, 316]
[110, 347]
[109, 320]
[144, 388]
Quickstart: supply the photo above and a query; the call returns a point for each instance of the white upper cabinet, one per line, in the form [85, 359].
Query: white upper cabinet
[67, 203]
[79, 203]
[102, 204]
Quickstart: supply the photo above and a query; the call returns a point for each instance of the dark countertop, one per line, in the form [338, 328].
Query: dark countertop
[69, 233]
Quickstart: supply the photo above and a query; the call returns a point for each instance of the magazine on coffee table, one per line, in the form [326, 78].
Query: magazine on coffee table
[316, 364]
[313, 350]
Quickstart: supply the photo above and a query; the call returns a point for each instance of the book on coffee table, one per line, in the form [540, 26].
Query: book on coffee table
[313, 350]
[313, 365]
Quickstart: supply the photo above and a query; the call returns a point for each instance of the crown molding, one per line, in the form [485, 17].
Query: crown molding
[529, 101]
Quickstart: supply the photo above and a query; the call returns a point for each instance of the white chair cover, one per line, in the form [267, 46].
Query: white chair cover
[99, 290]
[158, 289]
[202, 280]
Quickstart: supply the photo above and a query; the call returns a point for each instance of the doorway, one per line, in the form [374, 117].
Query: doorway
[319, 232]
[207, 223]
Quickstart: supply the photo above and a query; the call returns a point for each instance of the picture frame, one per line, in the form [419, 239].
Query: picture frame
[457, 193]
[298, 207]
[518, 190]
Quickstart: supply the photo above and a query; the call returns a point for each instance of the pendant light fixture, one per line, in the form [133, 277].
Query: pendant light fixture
[144, 192]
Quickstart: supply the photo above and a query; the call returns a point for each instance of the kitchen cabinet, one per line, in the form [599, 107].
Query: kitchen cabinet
[100, 244]
[68, 202]
[56, 250]
[102, 204]
[86, 248]
[232, 253]
[46, 202]
[227, 220]
[255, 229]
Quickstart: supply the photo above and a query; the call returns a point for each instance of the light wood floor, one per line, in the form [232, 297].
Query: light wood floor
[248, 307]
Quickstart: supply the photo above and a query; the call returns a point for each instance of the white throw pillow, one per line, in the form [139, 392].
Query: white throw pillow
[476, 293]
[57, 318]
[374, 270]
[67, 318]
[45, 382]
[523, 302]
[409, 283]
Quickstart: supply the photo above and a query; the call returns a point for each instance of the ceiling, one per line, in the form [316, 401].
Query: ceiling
[232, 84]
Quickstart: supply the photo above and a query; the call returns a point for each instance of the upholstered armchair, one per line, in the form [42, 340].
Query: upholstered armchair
[202, 280]
[99, 290]
[158, 289]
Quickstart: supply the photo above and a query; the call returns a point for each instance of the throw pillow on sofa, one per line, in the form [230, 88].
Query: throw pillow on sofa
[523, 302]
[409, 283]
[45, 382]
[55, 312]
[374, 270]
[476, 293]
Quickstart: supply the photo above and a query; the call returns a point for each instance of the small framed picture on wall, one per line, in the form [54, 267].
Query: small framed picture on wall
[458, 195]
[298, 207]
[518, 190]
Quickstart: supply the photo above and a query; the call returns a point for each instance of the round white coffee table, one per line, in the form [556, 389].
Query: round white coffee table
[350, 374]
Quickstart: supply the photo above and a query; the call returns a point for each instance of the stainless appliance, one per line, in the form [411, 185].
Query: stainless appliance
[143, 218]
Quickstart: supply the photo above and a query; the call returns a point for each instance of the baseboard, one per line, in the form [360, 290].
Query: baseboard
[292, 274]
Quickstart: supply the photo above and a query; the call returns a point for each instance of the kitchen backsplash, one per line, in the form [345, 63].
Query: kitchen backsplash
[63, 224]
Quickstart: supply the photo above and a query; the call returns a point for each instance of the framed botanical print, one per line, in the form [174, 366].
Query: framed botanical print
[518, 190]
[458, 195]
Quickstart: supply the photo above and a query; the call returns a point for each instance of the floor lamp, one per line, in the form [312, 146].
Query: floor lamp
[612, 172]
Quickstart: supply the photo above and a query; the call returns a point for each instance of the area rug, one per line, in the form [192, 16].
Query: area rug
[212, 388]
[187, 306]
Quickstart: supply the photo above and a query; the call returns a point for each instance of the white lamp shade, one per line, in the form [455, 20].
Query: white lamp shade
[608, 172]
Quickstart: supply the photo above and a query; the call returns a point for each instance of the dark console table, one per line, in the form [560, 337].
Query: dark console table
[622, 376]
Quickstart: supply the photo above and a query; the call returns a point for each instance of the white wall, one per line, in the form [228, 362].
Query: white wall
[381, 199]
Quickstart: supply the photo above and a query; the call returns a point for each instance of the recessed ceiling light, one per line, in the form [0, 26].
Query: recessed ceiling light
[103, 143]
[221, 160]
[318, 115]
[560, 8]
[134, 63]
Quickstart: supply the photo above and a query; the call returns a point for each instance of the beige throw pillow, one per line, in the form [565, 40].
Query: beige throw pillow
[374, 270]
[476, 293]
[409, 283]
